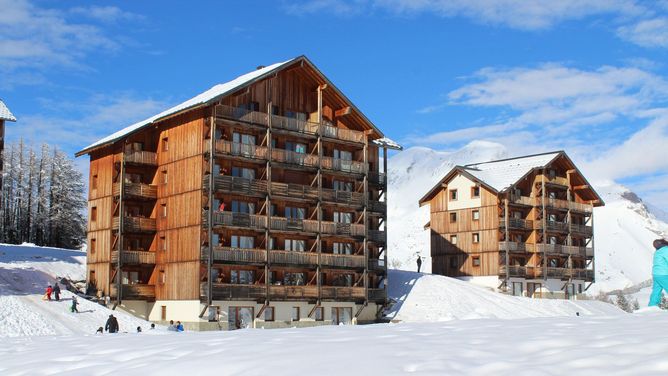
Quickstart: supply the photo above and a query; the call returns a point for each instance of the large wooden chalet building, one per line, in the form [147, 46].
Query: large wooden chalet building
[260, 202]
[5, 115]
[523, 225]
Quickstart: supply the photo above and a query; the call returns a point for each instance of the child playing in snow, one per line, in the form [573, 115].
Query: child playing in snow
[47, 294]
[74, 304]
[659, 271]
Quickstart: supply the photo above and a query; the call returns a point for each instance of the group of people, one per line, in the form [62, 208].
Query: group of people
[55, 290]
[178, 327]
[112, 326]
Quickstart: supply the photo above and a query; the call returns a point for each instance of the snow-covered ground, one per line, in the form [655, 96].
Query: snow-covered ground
[25, 271]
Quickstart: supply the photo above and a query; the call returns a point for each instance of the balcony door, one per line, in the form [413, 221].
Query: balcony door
[242, 172]
[245, 144]
[342, 315]
[245, 242]
[342, 217]
[344, 159]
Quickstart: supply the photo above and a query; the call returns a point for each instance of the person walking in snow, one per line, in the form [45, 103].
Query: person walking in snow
[659, 271]
[419, 263]
[112, 325]
[74, 305]
[48, 292]
[56, 291]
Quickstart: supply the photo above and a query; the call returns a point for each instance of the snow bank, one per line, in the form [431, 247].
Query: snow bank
[429, 298]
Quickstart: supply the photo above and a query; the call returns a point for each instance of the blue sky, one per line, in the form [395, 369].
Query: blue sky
[589, 77]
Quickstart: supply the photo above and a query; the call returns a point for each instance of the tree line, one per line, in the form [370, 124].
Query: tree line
[43, 199]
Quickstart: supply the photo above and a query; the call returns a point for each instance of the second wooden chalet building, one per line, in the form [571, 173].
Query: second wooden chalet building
[260, 202]
[524, 225]
[5, 115]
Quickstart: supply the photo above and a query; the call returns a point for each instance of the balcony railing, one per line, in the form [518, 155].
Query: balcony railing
[377, 236]
[515, 247]
[522, 200]
[516, 223]
[252, 221]
[377, 264]
[134, 257]
[239, 185]
[241, 150]
[342, 261]
[134, 291]
[135, 224]
[295, 191]
[292, 157]
[377, 178]
[293, 224]
[377, 295]
[344, 229]
[557, 180]
[241, 114]
[293, 258]
[139, 158]
[283, 292]
[137, 190]
[378, 206]
[344, 165]
[294, 125]
[582, 229]
[342, 293]
[342, 197]
[552, 226]
[229, 291]
[236, 255]
[564, 204]
[513, 271]
[342, 134]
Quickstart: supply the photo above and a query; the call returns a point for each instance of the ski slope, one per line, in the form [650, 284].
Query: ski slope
[25, 271]
[433, 298]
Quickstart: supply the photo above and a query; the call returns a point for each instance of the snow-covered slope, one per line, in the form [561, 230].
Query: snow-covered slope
[25, 271]
[428, 298]
[624, 228]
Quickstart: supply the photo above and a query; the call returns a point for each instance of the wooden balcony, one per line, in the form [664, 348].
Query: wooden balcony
[293, 224]
[378, 206]
[244, 220]
[236, 255]
[564, 205]
[377, 295]
[294, 158]
[516, 223]
[583, 274]
[377, 264]
[582, 230]
[135, 224]
[343, 165]
[293, 258]
[342, 261]
[283, 292]
[295, 191]
[294, 125]
[134, 292]
[513, 271]
[555, 180]
[515, 247]
[137, 191]
[228, 291]
[552, 226]
[134, 257]
[342, 197]
[145, 158]
[521, 200]
[237, 149]
[343, 229]
[377, 178]
[342, 293]
[241, 114]
[377, 236]
[342, 134]
[238, 185]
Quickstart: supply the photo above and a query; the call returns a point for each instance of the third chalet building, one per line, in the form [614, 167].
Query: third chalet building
[261, 200]
[524, 225]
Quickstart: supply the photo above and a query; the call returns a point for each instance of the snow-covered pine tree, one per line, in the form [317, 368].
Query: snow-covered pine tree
[67, 222]
[623, 303]
[40, 224]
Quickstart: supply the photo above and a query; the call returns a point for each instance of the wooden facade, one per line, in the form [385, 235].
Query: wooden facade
[275, 191]
[537, 228]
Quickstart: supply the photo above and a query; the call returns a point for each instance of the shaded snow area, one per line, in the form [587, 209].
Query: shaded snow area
[619, 345]
[429, 298]
[25, 271]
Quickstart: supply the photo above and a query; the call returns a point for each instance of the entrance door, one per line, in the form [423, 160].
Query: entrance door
[342, 315]
[240, 318]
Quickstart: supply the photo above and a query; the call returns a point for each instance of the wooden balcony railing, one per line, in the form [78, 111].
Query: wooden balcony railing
[342, 134]
[515, 247]
[377, 264]
[377, 236]
[251, 221]
[137, 190]
[377, 206]
[236, 255]
[291, 157]
[521, 200]
[229, 291]
[239, 185]
[139, 158]
[341, 261]
[517, 223]
[342, 197]
[552, 226]
[377, 178]
[513, 271]
[582, 229]
[135, 224]
[564, 204]
[293, 224]
[297, 191]
[293, 258]
[134, 292]
[377, 295]
[283, 292]
[241, 150]
[241, 114]
[342, 293]
[344, 165]
[557, 180]
[294, 125]
[134, 257]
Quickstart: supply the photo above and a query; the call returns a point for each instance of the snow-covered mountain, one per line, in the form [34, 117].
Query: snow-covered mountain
[624, 228]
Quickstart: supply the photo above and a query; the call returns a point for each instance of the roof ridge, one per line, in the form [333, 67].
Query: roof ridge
[470, 165]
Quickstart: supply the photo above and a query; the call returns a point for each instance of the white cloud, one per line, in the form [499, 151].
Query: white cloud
[338, 7]
[646, 33]
[107, 14]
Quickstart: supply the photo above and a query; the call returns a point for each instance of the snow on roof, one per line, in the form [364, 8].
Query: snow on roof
[503, 173]
[388, 143]
[211, 94]
[5, 114]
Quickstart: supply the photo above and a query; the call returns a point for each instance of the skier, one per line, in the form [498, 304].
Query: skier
[419, 263]
[49, 290]
[659, 271]
[179, 326]
[74, 305]
[56, 291]
[112, 325]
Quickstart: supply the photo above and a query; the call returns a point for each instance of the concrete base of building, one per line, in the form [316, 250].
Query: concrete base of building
[549, 288]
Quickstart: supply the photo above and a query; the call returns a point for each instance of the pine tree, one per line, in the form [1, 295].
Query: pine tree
[623, 303]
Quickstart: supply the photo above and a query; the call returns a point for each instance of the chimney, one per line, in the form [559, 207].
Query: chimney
[260, 67]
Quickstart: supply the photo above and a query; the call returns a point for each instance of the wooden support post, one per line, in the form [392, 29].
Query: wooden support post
[544, 221]
[119, 262]
[209, 263]
[318, 271]
[366, 220]
[267, 231]
[387, 276]
[506, 220]
[593, 257]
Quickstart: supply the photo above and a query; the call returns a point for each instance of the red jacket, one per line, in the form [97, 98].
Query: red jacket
[49, 290]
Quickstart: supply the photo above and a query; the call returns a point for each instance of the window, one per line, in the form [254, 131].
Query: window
[475, 260]
[342, 315]
[533, 290]
[475, 192]
[163, 176]
[570, 291]
[579, 288]
[269, 314]
[243, 172]
[552, 263]
[453, 194]
[294, 212]
[319, 314]
[165, 144]
[476, 238]
[295, 245]
[343, 185]
[214, 313]
[453, 239]
[343, 155]
[342, 249]
[453, 217]
[93, 245]
[345, 280]
[341, 217]
[552, 173]
[163, 313]
[163, 210]
[295, 313]
[93, 213]
[162, 279]
[295, 147]
[243, 207]
[94, 182]
[163, 243]
[475, 215]
[242, 277]
[245, 242]
[517, 288]
[294, 279]
[453, 262]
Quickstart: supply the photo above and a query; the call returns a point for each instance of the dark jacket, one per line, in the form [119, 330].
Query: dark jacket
[56, 289]
[112, 325]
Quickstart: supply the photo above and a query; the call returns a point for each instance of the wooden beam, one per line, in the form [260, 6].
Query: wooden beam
[343, 111]
[580, 187]
[571, 171]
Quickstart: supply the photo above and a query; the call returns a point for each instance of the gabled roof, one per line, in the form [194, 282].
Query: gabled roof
[216, 93]
[5, 114]
[499, 175]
